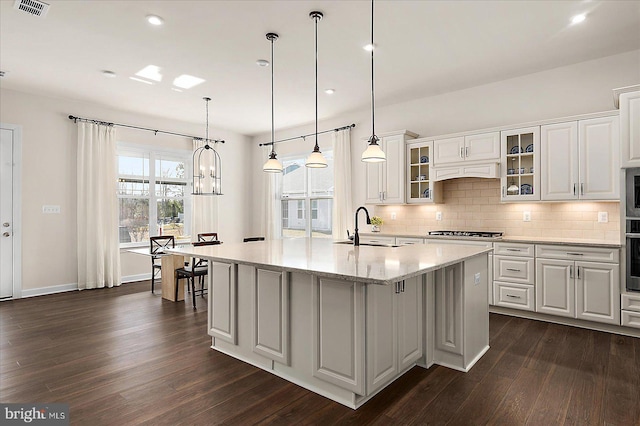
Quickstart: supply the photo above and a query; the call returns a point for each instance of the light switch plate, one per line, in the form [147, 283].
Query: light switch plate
[603, 217]
[438, 215]
[50, 209]
[393, 215]
[526, 216]
[477, 278]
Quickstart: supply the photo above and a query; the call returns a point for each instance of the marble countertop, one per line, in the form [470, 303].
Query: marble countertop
[509, 239]
[323, 257]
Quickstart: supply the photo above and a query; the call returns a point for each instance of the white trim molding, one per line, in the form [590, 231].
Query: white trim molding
[17, 207]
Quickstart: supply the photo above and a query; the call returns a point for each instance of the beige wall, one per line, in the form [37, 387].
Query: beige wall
[49, 177]
[473, 204]
[572, 90]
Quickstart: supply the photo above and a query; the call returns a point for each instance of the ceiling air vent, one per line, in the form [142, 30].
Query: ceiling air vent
[32, 7]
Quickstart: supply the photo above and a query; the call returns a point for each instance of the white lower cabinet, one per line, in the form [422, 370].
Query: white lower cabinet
[271, 315]
[222, 318]
[630, 310]
[576, 288]
[513, 275]
[408, 241]
[377, 240]
[394, 330]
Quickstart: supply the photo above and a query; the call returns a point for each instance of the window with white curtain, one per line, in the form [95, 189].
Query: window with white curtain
[153, 193]
[307, 198]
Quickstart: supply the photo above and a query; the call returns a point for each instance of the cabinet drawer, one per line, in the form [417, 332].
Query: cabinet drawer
[513, 269]
[631, 319]
[378, 240]
[402, 241]
[630, 303]
[594, 254]
[516, 296]
[513, 249]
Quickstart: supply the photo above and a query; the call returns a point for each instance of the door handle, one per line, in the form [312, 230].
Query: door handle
[397, 287]
[578, 269]
[466, 152]
[570, 271]
[513, 297]
[582, 189]
[461, 152]
[6, 234]
[574, 189]
[6, 224]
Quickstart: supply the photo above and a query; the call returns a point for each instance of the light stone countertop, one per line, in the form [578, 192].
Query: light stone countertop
[320, 256]
[514, 239]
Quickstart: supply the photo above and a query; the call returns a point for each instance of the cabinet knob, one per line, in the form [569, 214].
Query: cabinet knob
[6, 224]
[5, 234]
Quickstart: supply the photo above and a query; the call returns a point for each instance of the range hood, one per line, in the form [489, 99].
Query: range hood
[482, 170]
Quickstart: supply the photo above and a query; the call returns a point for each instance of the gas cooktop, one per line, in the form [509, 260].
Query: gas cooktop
[479, 234]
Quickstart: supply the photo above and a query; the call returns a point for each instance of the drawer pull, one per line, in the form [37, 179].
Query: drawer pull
[513, 297]
[510, 249]
[575, 254]
[513, 269]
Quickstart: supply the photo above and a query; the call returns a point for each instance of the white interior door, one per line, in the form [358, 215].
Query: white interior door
[6, 214]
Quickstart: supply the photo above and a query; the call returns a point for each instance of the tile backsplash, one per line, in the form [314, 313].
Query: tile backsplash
[473, 204]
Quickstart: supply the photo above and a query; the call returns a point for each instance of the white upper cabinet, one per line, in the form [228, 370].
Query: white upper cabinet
[385, 182]
[480, 147]
[519, 167]
[580, 160]
[630, 129]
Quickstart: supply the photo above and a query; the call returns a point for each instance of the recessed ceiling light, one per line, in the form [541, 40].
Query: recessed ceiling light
[186, 81]
[262, 63]
[141, 80]
[109, 74]
[578, 18]
[152, 72]
[329, 91]
[369, 47]
[155, 20]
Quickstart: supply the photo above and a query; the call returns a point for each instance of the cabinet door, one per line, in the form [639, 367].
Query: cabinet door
[599, 159]
[446, 151]
[382, 326]
[373, 183]
[449, 313]
[271, 315]
[520, 150]
[598, 292]
[559, 177]
[630, 129]
[410, 322]
[223, 301]
[513, 269]
[485, 146]
[555, 287]
[393, 170]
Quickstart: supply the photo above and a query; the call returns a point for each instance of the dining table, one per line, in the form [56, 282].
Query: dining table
[170, 262]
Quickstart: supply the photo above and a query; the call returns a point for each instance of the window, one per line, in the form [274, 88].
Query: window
[153, 188]
[307, 198]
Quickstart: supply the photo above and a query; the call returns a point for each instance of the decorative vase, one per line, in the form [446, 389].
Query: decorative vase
[375, 228]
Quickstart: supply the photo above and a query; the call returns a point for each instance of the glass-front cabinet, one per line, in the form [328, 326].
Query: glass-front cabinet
[520, 164]
[420, 187]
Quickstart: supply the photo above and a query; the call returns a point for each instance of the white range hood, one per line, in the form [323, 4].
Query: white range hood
[483, 170]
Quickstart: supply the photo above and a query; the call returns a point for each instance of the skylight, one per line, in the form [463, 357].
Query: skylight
[186, 81]
[151, 72]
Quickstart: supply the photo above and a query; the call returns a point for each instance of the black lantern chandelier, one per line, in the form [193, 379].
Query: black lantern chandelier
[207, 169]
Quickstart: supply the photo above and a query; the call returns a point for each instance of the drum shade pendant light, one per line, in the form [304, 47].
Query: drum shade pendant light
[373, 153]
[316, 159]
[206, 159]
[273, 165]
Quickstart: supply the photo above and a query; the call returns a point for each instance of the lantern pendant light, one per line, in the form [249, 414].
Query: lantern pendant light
[373, 153]
[316, 159]
[273, 165]
[211, 183]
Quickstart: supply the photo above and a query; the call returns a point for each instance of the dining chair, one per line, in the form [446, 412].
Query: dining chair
[197, 267]
[159, 245]
[249, 239]
[208, 236]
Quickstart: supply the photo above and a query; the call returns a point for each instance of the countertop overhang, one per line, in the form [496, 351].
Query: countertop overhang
[322, 257]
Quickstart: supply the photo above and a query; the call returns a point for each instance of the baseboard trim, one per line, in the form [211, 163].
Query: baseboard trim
[607, 328]
[137, 277]
[32, 292]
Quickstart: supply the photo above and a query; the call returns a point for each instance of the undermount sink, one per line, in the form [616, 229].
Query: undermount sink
[367, 244]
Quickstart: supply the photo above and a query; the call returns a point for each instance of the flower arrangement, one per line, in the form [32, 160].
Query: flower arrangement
[376, 220]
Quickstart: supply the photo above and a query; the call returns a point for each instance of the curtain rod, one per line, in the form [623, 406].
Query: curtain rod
[337, 129]
[105, 123]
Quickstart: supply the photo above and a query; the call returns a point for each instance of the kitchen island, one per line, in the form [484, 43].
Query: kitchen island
[345, 321]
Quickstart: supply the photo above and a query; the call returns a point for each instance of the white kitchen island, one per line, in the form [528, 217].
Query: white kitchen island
[345, 321]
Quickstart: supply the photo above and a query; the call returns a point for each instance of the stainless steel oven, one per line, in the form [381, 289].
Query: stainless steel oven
[633, 254]
[632, 185]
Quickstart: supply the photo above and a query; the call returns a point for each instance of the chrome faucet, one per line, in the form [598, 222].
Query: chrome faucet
[356, 237]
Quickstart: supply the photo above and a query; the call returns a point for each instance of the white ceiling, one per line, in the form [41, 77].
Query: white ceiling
[424, 48]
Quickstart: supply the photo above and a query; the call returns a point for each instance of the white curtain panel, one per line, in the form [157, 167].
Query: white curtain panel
[272, 213]
[204, 208]
[97, 211]
[342, 204]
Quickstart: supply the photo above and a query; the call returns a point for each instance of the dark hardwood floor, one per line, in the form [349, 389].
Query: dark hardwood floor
[123, 356]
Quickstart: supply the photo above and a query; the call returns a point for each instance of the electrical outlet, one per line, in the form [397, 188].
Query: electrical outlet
[50, 209]
[603, 217]
[393, 215]
[438, 215]
[526, 216]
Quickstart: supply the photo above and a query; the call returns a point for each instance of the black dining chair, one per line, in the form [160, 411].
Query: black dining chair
[197, 267]
[208, 236]
[250, 239]
[159, 245]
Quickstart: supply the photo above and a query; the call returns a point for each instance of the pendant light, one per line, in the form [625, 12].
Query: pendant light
[211, 183]
[373, 153]
[316, 159]
[273, 165]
